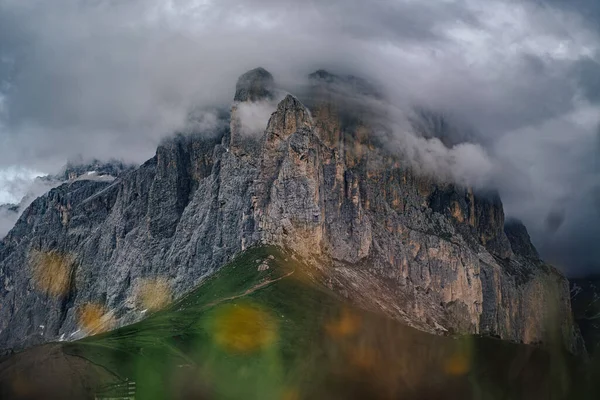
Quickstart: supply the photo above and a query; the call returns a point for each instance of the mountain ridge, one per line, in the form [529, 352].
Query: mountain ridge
[430, 254]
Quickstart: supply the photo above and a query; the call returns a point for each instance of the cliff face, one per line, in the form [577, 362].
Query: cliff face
[317, 181]
[585, 297]
[94, 168]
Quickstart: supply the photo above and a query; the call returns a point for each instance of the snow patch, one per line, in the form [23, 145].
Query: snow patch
[95, 177]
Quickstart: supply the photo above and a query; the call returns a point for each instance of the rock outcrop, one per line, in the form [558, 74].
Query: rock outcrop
[317, 182]
[585, 297]
[76, 169]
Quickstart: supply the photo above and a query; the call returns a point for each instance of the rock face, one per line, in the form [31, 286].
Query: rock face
[74, 170]
[433, 255]
[585, 297]
[94, 170]
[430, 124]
[254, 85]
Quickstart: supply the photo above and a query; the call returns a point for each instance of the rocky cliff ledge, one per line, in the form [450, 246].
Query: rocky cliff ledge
[436, 256]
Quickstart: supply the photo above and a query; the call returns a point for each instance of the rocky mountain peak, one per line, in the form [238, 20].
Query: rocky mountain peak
[344, 83]
[519, 239]
[254, 85]
[430, 124]
[432, 255]
[291, 116]
[77, 168]
[254, 92]
[323, 75]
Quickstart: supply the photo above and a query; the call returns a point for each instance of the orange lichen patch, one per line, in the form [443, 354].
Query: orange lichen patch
[397, 203]
[458, 364]
[471, 197]
[153, 294]
[244, 328]
[94, 318]
[51, 272]
[424, 186]
[327, 124]
[457, 213]
[347, 324]
[483, 239]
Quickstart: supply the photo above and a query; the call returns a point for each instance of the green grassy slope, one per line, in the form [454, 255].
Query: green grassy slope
[251, 333]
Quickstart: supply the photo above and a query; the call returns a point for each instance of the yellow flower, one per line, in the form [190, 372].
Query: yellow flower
[153, 294]
[93, 318]
[458, 364]
[244, 328]
[51, 272]
[347, 324]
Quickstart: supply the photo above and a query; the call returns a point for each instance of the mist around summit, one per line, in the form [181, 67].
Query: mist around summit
[284, 200]
[110, 80]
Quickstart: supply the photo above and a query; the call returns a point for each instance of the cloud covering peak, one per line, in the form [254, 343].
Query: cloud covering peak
[109, 79]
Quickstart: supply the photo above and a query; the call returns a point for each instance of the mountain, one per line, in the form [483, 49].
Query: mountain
[79, 169]
[263, 327]
[318, 182]
[73, 170]
[585, 298]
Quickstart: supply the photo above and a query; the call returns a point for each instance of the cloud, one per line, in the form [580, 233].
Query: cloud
[19, 187]
[254, 116]
[8, 219]
[109, 79]
[14, 183]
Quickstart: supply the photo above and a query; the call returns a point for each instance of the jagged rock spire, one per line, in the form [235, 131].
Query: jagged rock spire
[291, 115]
[344, 83]
[254, 85]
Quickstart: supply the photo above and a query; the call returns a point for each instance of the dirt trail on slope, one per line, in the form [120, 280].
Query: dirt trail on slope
[248, 291]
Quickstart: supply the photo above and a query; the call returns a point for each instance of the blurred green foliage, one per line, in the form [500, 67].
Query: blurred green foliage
[255, 333]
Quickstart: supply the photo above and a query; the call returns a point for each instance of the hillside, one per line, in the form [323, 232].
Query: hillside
[263, 328]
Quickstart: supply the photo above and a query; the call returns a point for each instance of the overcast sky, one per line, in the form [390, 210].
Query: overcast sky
[107, 78]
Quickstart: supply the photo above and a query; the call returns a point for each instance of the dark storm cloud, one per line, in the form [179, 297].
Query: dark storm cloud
[589, 10]
[111, 78]
[587, 73]
[555, 219]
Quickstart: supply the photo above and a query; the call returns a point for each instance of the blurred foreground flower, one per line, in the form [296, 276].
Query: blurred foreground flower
[458, 364]
[51, 272]
[244, 328]
[153, 294]
[347, 324]
[93, 318]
